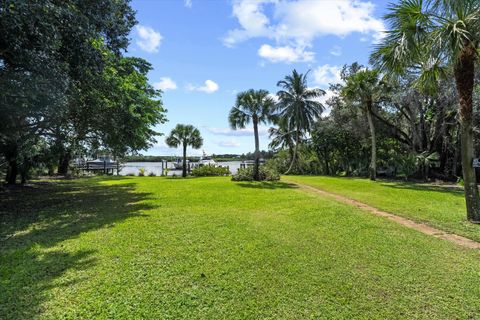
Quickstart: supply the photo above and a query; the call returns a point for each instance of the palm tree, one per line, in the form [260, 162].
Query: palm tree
[298, 107]
[254, 106]
[184, 135]
[281, 138]
[439, 30]
[365, 88]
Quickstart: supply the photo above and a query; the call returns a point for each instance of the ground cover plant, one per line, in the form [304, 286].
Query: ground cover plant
[440, 206]
[204, 248]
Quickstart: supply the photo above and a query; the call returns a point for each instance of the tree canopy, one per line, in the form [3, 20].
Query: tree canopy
[67, 90]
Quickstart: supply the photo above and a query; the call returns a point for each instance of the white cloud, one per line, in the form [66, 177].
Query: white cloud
[285, 54]
[306, 19]
[328, 94]
[326, 74]
[149, 39]
[209, 86]
[336, 51]
[228, 144]
[253, 22]
[165, 84]
[188, 3]
[237, 133]
[295, 24]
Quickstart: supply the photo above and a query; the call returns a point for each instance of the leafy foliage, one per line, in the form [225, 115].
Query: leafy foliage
[210, 171]
[266, 173]
[66, 88]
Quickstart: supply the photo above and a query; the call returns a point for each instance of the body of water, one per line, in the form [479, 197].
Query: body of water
[130, 168]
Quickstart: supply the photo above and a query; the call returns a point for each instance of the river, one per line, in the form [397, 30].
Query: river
[130, 168]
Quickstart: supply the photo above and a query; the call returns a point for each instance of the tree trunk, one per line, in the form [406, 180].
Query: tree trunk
[464, 78]
[325, 160]
[295, 151]
[373, 157]
[12, 172]
[256, 166]
[184, 165]
[23, 176]
[64, 163]
[455, 155]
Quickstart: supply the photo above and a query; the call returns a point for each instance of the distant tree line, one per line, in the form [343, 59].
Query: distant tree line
[66, 86]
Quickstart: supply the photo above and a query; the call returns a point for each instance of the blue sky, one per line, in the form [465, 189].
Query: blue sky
[205, 51]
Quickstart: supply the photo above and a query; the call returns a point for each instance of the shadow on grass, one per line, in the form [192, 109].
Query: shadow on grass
[402, 184]
[267, 185]
[33, 221]
[447, 189]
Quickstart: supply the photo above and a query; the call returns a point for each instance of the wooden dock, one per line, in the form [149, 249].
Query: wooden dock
[106, 167]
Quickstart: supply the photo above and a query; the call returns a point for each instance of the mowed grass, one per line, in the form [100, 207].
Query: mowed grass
[209, 248]
[442, 207]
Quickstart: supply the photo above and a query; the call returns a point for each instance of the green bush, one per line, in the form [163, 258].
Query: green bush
[141, 172]
[152, 174]
[266, 173]
[210, 171]
[408, 165]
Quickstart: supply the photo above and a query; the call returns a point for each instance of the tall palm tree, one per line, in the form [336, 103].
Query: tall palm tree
[365, 89]
[255, 106]
[298, 107]
[439, 30]
[184, 135]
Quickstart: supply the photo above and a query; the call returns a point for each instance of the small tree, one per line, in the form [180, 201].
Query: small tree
[254, 106]
[184, 135]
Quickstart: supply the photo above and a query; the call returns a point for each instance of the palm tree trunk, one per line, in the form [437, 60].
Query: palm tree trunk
[373, 158]
[256, 166]
[295, 151]
[464, 78]
[184, 164]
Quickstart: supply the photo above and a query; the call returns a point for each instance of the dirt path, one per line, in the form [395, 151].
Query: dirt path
[422, 227]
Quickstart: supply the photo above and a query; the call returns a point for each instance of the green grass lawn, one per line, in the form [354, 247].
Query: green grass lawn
[442, 207]
[209, 248]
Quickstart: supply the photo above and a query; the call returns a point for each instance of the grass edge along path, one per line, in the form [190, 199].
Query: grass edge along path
[418, 226]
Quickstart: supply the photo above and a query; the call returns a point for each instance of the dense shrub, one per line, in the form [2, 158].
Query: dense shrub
[307, 162]
[266, 173]
[210, 171]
